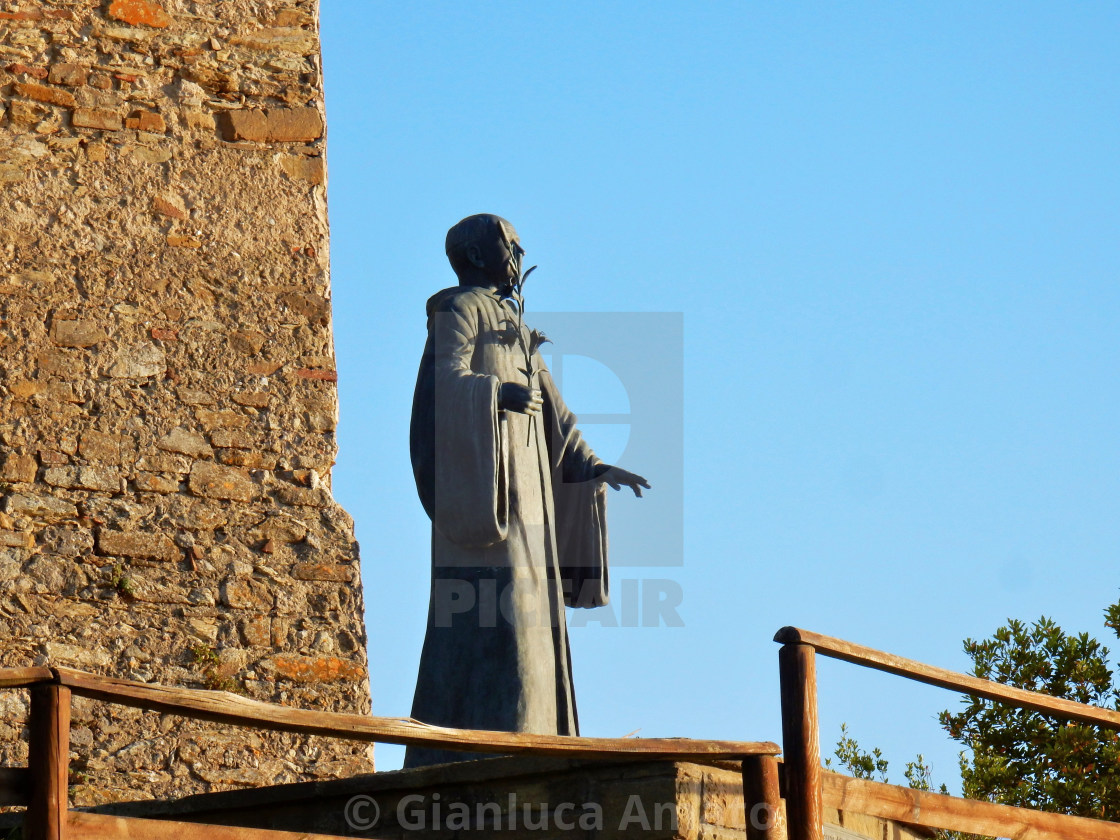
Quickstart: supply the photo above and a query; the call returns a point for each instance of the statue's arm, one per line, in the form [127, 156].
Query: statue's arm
[578, 461]
[453, 329]
[456, 327]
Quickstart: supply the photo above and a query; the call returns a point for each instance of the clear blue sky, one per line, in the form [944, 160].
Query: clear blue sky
[891, 233]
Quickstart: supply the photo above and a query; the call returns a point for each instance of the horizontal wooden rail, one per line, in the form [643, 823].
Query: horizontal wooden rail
[25, 677]
[935, 810]
[15, 786]
[102, 827]
[222, 707]
[880, 661]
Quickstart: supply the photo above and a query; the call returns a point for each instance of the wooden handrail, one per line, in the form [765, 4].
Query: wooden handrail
[25, 677]
[49, 748]
[870, 658]
[106, 827]
[935, 810]
[222, 707]
[43, 786]
[797, 671]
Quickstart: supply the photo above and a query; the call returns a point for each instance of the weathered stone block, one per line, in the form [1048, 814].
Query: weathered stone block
[99, 446]
[139, 545]
[249, 460]
[17, 539]
[275, 125]
[59, 653]
[253, 399]
[139, 362]
[139, 13]
[19, 468]
[263, 368]
[42, 93]
[193, 396]
[211, 420]
[10, 566]
[18, 69]
[199, 120]
[25, 114]
[723, 801]
[203, 629]
[73, 75]
[197, 515]
[246, 594]
[187, 443]
[25, 389]
[145, 121]
[52, 458]
[323, 571]
[321, 421]
[66, 540]
[248, 342]
[310, 169]
[283, 529]
[106, 479]
[283, 38]
[170, 205]
[62, 392]
[147, 482]
[318, 669]
[97, 118]
[40, 506]
[231, 439]
[292, 495]
[164, 463]
[256, 631]
[314, 307]
[76, 333]
[218, 482]
[321, 375]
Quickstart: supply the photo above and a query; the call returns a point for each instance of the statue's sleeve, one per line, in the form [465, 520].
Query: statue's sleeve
[458, 450]
[580, 503]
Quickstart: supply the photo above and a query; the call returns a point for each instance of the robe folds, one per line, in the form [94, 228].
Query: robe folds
[518, 529]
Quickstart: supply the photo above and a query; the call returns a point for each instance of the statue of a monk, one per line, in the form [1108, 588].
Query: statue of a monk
[517, 503]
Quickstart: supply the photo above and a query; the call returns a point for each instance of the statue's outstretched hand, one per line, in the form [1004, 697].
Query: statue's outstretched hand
[617, 477]
[513, 396]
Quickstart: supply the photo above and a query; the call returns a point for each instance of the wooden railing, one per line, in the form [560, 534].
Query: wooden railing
[809, 789]
[42, 786]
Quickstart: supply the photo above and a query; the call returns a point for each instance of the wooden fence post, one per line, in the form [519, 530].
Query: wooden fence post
[49, 762]
[762, 798]
[801, 747]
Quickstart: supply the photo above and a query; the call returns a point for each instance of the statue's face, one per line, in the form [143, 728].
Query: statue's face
[510, 251]
[499, 256]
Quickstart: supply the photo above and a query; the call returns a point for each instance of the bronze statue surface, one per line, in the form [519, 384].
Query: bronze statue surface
[517, 502]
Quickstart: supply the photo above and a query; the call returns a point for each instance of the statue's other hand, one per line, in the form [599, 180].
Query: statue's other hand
[617, 477]
[513, 396]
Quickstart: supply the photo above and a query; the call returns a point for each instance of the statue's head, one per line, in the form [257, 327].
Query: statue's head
[484, 250]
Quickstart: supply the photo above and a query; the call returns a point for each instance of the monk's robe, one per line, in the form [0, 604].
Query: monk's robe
[518, 529]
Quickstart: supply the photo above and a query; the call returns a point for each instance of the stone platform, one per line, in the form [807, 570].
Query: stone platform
[513, 797]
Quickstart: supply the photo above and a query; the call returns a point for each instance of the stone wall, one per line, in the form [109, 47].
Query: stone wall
[167, 383]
